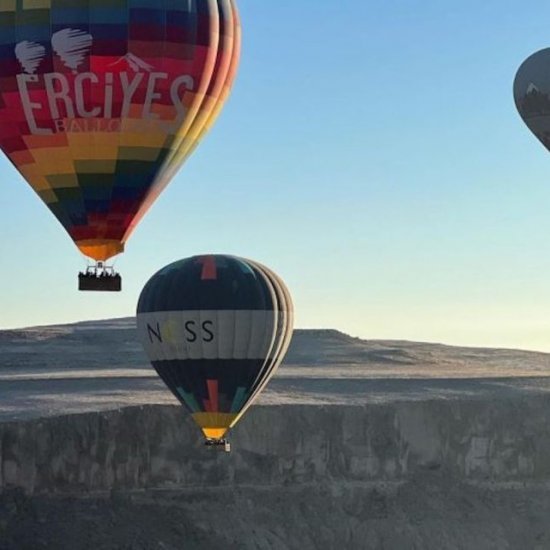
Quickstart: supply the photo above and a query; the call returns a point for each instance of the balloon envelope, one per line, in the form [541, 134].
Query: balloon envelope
[215, 328]
[532, 94]
[102, 100]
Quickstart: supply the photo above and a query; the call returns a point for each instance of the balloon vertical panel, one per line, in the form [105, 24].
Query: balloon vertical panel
[98, 98]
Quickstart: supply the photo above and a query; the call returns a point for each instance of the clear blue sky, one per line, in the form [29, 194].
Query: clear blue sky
[371, 154]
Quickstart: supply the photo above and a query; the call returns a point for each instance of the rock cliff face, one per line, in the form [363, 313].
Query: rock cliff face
[420, 475]
[157, 447]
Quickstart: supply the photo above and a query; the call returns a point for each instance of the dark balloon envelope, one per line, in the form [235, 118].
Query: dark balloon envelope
[532, 94]
[215, 328]
[101, 101]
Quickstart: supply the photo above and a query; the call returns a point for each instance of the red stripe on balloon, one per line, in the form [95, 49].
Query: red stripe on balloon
[209, 271]
[213, 395]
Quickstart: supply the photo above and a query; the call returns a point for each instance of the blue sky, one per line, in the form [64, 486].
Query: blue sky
[371, 154]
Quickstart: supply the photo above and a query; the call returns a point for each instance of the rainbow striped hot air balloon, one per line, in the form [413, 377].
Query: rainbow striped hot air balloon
[101, 101]
[215, 328]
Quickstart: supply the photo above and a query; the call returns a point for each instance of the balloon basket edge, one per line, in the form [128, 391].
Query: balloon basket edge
[99, 278]
[218, 444]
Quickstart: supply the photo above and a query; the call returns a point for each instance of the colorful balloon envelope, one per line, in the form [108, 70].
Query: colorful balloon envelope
[532, 94]
[215, 328]
[101, 101]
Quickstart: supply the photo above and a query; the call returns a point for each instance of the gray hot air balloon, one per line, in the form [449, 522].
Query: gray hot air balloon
[532, 94]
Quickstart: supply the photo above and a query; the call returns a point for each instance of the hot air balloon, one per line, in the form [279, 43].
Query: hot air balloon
[215, 328]
[101, 101]
[532, 94]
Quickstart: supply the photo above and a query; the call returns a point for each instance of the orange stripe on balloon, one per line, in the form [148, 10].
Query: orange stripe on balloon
[21, 157]
[46, 141]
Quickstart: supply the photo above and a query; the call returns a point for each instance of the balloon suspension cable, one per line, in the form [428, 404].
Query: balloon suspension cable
[218, 444]
[99, 277]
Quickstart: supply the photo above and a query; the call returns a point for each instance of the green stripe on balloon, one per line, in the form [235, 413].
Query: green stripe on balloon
[238, 400]
[189, 400]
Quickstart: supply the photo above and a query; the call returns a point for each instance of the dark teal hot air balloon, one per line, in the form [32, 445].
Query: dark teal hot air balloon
[215, 328]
